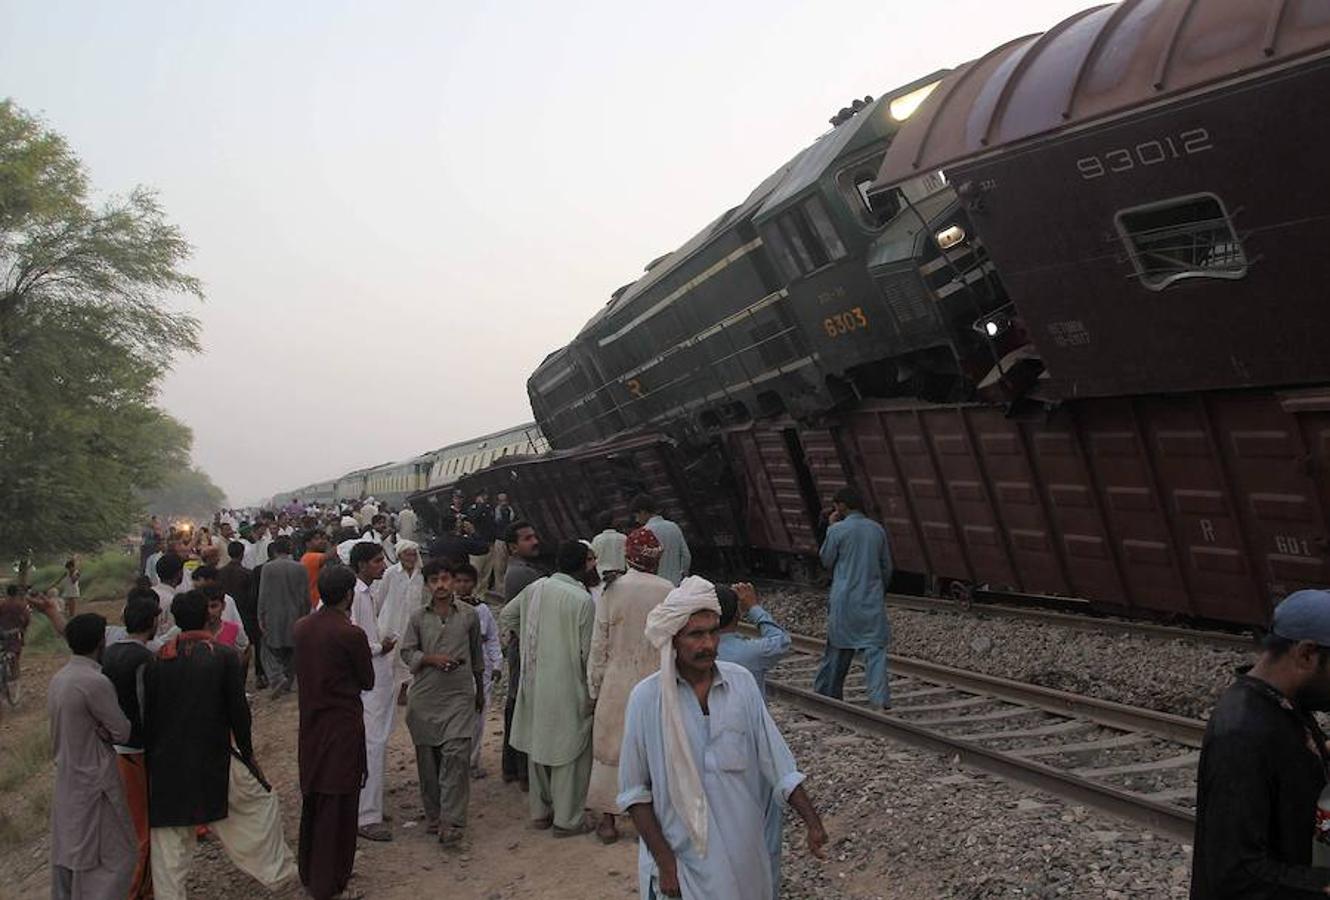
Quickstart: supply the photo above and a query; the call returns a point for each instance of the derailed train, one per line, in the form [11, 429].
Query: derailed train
[1059, 313]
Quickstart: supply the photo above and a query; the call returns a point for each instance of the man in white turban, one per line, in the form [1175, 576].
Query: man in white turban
[400, 592]
[700, 760]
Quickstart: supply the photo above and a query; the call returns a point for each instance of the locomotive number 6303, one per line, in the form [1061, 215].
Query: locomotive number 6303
[845, 322]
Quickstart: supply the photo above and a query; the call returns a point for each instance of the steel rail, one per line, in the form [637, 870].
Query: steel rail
[1103, 712]
[1076, 621]
[1161, 817]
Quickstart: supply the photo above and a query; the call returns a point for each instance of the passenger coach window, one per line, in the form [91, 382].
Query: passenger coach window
[1187, 237]
[804, 238]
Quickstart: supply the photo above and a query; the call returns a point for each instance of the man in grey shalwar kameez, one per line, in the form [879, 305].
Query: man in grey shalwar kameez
[283, 598]
[442, 649]
[93, 845]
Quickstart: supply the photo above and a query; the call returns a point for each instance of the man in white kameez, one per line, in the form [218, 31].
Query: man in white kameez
[93, 845]
[379, 701]
[381, 534]
[401, 592]
[701, 756]
[609, 546]
[408, 525]
[621, 656]
[553, 619]
[465, 577]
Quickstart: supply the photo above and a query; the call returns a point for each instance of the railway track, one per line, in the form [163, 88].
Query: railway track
[1073, 620]
[1135, 763]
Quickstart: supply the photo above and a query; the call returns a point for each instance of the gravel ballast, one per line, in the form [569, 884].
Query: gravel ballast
[1179, 676]
[905, 823]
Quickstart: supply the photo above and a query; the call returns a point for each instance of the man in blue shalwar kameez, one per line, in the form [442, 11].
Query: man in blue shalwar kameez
[700, 760]
[857, 554]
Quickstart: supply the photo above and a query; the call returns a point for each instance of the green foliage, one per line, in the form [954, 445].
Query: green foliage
[109, 574]
[41, 637]
[185, 494]
[28, 755]
[85, 338]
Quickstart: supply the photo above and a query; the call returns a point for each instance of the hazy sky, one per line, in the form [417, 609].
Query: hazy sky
[400, 208]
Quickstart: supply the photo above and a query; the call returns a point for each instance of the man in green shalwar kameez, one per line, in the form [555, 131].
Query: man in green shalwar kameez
[553, 618]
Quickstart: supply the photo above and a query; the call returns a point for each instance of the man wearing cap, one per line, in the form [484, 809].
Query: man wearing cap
[621, 656]
[1259, 829]
[702, 837]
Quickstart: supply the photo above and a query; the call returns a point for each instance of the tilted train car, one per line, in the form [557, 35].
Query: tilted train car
[563, 493]
[705, 332]
[1148, 178]
[1107, 224]
[768, 311]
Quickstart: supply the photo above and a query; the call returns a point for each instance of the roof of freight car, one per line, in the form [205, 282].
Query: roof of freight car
[1100, 62]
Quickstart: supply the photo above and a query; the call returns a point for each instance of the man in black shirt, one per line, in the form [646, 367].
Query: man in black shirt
[123, 662]
[194, 707]
[453, 544]
[523, 551]
[1263, 766]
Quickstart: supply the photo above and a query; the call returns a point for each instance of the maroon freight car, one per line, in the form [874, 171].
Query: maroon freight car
[1206, 506]
[1149, 179]
[563, 493]
[1146, 179]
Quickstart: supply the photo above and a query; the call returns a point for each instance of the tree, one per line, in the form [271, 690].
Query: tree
[85, 338]
[187, 493]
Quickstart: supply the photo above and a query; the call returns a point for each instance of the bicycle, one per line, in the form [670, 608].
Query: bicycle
[11, 646]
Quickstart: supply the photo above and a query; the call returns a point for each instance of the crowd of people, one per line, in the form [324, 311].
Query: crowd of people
[631, 693]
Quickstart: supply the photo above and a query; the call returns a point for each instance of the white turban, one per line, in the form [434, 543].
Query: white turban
[349, 522]
[402, 545]
[695, 594]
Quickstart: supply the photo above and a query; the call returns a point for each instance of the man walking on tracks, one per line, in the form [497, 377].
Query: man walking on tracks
[1259, 828]
[857, 554]
[552, 721]
[701, 758]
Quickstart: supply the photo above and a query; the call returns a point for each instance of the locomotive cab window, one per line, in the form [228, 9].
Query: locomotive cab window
[804, 239]
[854, 183]
[1187, 237]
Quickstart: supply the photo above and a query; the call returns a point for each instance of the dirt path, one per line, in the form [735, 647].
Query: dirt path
[506, 858]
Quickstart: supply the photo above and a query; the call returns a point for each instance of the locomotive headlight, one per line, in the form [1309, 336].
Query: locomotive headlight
[993, 324]
[902, 107]
[949, 237]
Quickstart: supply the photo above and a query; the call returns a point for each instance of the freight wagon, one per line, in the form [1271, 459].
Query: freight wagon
[1067, 340]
